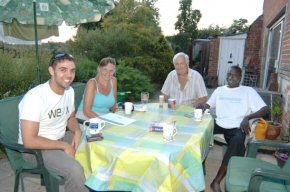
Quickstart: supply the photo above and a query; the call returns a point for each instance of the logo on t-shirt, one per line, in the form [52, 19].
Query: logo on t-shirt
[55, 113]
[231, 99]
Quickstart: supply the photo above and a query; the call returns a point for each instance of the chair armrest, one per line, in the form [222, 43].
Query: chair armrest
[271, 173]
[20, 148]
[253, 146]
[80, 121]
[258, 174]
[15, 146]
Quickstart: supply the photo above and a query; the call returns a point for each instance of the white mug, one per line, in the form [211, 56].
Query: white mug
[95, 125]
[198, 114]
[169, 131]
[128, 108]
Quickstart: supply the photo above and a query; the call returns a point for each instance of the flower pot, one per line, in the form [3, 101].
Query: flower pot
[274, 130]
[281, 156]
[280, 161]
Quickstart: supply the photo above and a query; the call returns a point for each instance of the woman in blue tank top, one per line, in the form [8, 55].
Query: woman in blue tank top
[101, 92]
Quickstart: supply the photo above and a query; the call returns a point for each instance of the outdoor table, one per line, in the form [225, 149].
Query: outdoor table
[132, 158]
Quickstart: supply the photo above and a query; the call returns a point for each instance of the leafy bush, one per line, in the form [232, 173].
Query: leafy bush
[85, 69]
[151, 56]
[18, 68]
[157, 65]
[17, 75]
[97, 44]
[130, 79]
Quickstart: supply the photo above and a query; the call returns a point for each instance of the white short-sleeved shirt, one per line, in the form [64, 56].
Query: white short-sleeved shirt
[194, 88]
[233, 104]
[51, 110]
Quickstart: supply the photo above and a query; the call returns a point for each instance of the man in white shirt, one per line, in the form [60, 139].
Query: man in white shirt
[44, 113]
[184, 84]
[235, 106]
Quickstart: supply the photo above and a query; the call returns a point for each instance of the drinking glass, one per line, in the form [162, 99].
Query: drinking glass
[144, 97]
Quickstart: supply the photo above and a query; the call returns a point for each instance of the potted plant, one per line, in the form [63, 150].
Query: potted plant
[282, 156]
[275, 126]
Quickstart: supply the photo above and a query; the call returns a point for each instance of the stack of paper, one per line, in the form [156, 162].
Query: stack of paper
[116, 119]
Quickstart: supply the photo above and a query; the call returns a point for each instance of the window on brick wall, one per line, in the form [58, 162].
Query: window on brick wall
[273, 58]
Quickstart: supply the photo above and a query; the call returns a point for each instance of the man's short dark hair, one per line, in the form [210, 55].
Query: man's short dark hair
[60, 56]
[237, 69]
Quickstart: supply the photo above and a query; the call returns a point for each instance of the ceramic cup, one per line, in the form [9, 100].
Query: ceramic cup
[128, 108]
[198, 114]
[171, 103]
[95, 125]
[169, 131]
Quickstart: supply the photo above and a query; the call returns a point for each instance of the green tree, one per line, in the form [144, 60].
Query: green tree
[92, 25]
[131, 34]
[130, 30]
[238, 26]
[186, 24]
[179, 42]
[211, 31]
[131, 12]
[187, 19]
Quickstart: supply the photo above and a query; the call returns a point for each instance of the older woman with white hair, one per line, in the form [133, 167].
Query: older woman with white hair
[184, 84]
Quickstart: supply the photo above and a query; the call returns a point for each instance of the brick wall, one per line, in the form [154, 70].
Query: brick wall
[253, 46]
[252, 51]
[284, 71]
[286, 115]
[284, 68]
[272, 9]
[213, 62]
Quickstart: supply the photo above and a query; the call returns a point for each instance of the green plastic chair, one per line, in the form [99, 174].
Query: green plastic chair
[79, 89]
[251, 174]
[121, 96]
[14, 151]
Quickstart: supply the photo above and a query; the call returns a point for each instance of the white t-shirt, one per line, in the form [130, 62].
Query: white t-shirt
[193, 89]
[51, 110]
[233, 104]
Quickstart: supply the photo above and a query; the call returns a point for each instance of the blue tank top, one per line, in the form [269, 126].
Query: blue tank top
[102, 103]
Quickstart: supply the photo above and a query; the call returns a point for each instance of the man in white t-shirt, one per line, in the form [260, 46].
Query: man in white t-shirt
[235, 106]
[44, 113]
[184, 84]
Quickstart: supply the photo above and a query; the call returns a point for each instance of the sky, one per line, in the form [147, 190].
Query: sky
[215, 12]
[65, 34]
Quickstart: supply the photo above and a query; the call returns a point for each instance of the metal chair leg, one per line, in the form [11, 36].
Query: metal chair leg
[16, 183]
[22, 183]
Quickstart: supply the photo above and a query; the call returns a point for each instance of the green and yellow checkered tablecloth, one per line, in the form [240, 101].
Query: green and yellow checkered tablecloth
[132, 158]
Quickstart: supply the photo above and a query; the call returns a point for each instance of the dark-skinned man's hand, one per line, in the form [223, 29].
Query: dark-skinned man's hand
[245, 126]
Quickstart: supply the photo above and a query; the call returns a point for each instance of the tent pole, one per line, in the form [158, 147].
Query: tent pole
[36, 45]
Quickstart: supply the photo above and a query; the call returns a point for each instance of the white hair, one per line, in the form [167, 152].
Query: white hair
[181, 54]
